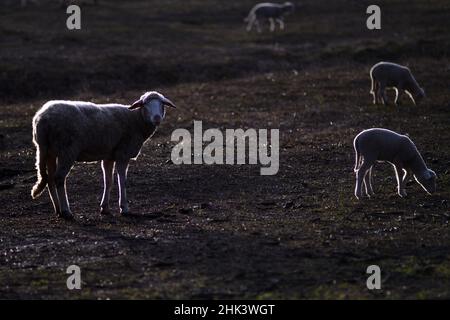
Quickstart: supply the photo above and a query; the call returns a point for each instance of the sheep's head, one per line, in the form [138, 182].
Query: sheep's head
[153, 106]
[419, 95]
[427, 181]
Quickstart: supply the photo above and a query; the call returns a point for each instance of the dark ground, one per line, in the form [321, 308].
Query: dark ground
[225, 231]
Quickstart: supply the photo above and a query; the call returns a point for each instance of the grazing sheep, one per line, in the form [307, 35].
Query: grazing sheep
[270, 11]
[381, 145]
[69, 131]
[390, 75]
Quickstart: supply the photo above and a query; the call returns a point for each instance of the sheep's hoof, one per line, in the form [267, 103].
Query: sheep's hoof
[67, 215]
[124, 212]
[105, 211]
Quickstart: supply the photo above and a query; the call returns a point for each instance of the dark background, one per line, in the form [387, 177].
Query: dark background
[225, 231]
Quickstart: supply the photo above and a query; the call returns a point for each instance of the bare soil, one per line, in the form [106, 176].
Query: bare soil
[222, 231]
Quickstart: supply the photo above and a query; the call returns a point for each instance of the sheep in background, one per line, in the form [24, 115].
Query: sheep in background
[270, 11]
[381, 145]
[386, 75]
[69, 131]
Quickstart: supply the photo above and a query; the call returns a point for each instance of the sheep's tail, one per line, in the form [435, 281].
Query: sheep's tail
[357, 155]
[41, 167]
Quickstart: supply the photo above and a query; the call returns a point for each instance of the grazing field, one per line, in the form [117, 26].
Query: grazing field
[221, 231]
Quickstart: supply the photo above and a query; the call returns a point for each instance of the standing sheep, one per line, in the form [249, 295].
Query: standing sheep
[390, 75]
[381, 145]
[270, 11]
[69, 131]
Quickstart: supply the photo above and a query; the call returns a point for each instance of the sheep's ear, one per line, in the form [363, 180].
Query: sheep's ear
[167, 102]
[137, 104]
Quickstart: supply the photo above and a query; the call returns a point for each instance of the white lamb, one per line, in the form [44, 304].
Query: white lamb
[68, 131]
[270, 11]
[391, 75]
[381, 145]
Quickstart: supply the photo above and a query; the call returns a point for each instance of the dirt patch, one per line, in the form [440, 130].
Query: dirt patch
[225, 231]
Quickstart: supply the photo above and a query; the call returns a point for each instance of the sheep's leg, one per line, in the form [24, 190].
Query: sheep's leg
[414, 101]
[396, 96]
[382, 90]
[360, 175]
[403, 182]
[62, 170]
[51, 168]
[374, 92]
[400, 185]
[258, 26]
[378, 93]
[281, 22]
[368, 182]
[272, 24]
[398, 93]
[365, 184]
[359, 181]
[108, 181]
[371, 182]
[250, 24]
[122, 168]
